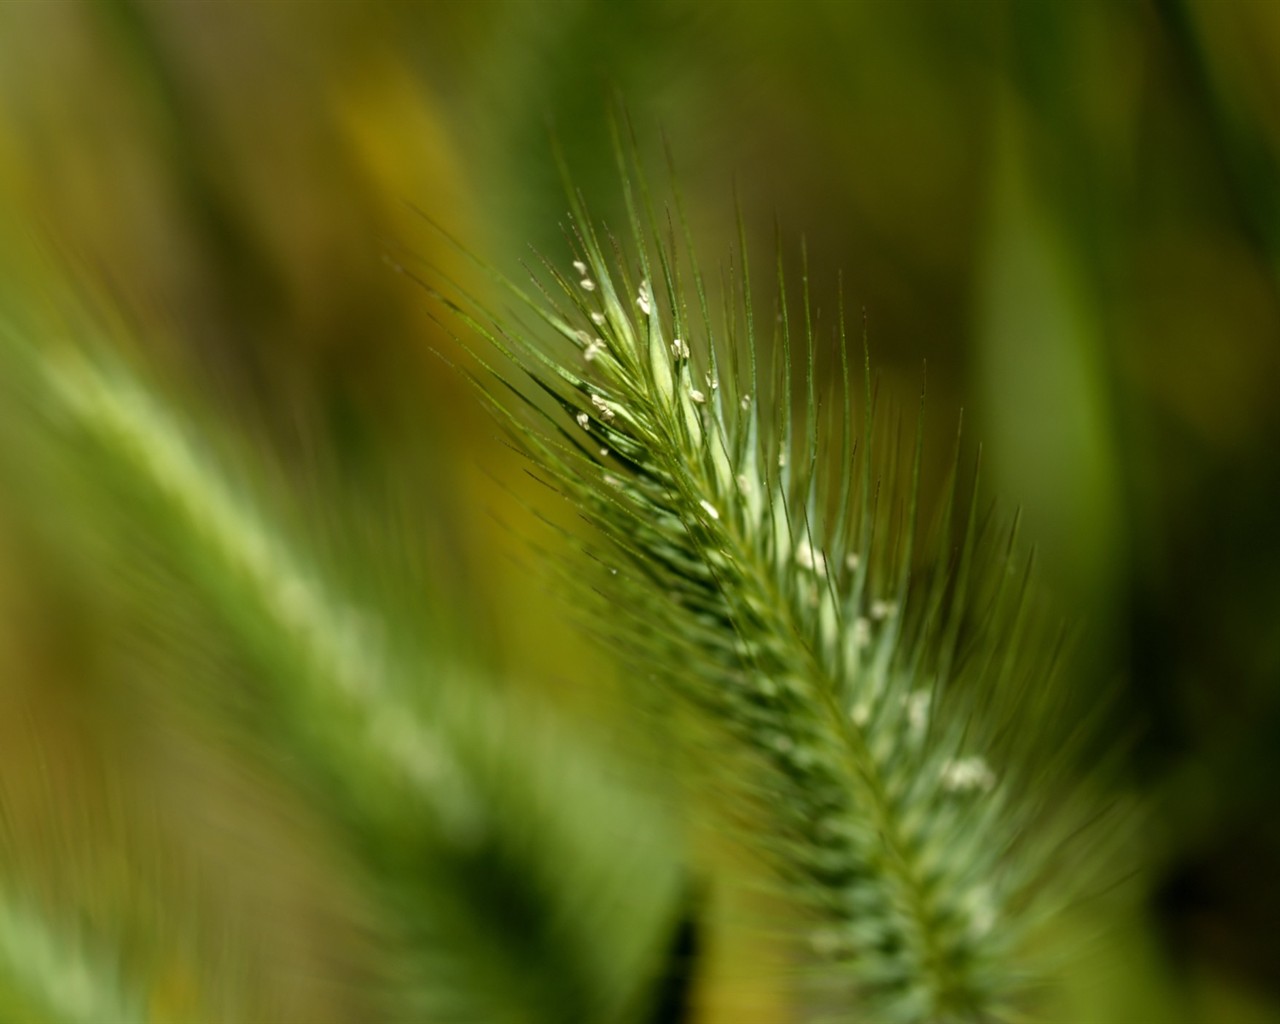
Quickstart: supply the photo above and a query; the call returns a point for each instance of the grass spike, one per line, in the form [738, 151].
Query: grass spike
[441, 795]
[816, 645]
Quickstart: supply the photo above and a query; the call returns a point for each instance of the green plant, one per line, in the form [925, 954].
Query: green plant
[874, 696]
[889, 688]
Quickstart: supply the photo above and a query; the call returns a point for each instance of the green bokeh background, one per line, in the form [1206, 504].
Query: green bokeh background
[1069, 211]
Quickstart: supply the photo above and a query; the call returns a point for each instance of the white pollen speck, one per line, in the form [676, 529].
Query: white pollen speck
[918, 709]
[883, 609]
[612, 480]
[966, 774]
[583, 420]
[594, 347]
[597, 319]
[679, 348]
[713, 383]
[587, 285]
[852, 562]
[982, 912]
[602, 407]
[710, 509]
[604, 453]
[697, 396]
[807, 557]
[745, 403]
[643, 300]
[580, 267]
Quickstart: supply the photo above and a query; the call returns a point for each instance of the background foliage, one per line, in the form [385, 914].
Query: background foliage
[1068, 210]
